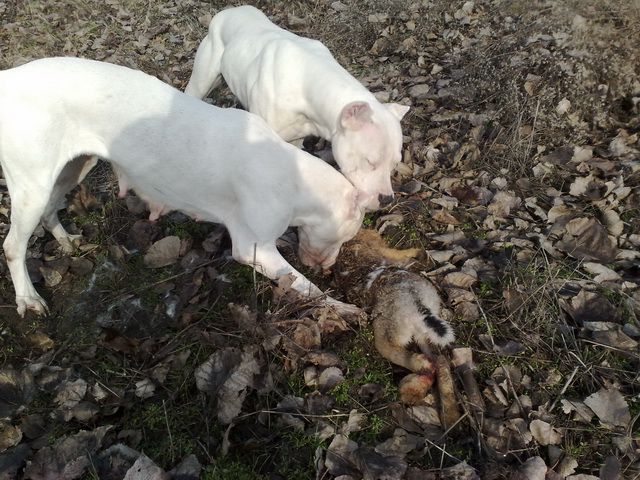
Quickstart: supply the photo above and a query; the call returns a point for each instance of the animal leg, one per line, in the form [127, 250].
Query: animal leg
[72, 174]
[268, 261]
[27, 209]
[206, 68]
[399, 354]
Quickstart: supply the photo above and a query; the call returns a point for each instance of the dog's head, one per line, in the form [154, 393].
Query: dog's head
[319, 240]
[367, 147]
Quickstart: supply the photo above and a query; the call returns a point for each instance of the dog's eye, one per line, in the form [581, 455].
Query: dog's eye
[373, 165]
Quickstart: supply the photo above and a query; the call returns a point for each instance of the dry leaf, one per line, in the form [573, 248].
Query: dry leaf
[583, 413]
[567, 466]
[442, 216]
[163, 252]
[610, 407]
[228, 374]
[602, 273]
[355, 423]
[10, 436]
[69, 393]
[533, 469]
[544, 433]
[68, 458]
[341, 456]
[376, 466]
[502, 204]
[145, 469]
[145, 388]
[424, 415]
[459, 280]
[563, 106]
[399, 444]
[587, 239]
[40, 340]
[329, 378]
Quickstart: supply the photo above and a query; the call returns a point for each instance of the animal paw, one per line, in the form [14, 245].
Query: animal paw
[414, 387]
[34, 303]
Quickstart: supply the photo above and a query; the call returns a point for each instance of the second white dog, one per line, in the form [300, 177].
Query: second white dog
[296, 85]
[178, 153]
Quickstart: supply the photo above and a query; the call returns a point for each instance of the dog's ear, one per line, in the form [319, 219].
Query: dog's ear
[398, 110]
[355, 115]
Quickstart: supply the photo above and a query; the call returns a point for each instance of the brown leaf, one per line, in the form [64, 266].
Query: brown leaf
[374, 465]
[243, 316]
[341, 459]
[51, 277]
[586, 239]
[544, 433]
[560, 156]
[329, 378]
[610, 407]
[502, 204]
[399, 444]
[145, 469]
[459, 280]
[40, 340]
[533, 469]
[10, 436]
[329, 320]
[163, 252]
[471, 195]
[70, 393]
[307, 336]
[68, 458]
[228, 374]
[442, 216]
[589, 307]
[467, 311]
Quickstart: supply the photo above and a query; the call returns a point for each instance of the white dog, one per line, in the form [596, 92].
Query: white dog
[296, 85]
[219, 165]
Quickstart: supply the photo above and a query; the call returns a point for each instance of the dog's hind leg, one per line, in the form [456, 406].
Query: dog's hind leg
[28, 204]
[206, 66]
[72, 174]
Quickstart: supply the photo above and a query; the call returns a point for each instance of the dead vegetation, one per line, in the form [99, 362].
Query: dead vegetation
[520, 183]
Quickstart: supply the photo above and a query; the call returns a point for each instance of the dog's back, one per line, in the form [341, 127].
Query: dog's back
[170, 146]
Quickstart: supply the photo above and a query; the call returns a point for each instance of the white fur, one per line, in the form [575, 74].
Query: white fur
[401, 305]
[296, 85]
[414, 328]
[178, 153]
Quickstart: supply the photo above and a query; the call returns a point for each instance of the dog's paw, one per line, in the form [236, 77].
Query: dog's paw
[35, 304]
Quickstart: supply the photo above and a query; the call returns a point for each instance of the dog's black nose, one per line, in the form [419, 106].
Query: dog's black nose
[385, 200]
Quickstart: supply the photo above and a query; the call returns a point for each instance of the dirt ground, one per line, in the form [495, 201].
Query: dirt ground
[520, 184]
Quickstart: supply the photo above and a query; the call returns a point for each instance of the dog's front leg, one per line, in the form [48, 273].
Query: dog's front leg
[267, 260]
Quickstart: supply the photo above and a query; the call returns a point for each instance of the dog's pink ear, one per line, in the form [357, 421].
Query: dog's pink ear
[398, 110]
[355, 115]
